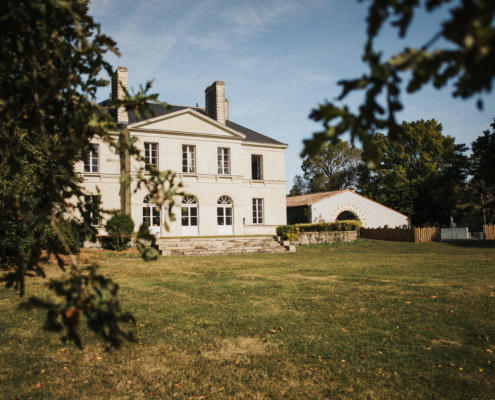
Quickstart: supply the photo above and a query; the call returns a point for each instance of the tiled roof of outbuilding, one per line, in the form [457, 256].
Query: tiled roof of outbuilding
[307, 199]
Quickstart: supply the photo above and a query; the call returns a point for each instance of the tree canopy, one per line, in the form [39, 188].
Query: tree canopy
[334, 169]
[465, 62]
[51, 56]
[423, 176]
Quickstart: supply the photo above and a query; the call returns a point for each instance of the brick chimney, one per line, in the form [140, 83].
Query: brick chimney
[119, 79]
[217, 106]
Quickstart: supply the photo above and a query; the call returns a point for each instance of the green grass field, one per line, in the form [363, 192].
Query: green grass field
[369, 320]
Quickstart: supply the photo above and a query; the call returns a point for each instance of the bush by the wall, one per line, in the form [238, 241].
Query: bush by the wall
[120, 226]
[288, 232]
[293, 230]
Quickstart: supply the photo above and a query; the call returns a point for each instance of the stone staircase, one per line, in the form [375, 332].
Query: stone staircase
[199, 246]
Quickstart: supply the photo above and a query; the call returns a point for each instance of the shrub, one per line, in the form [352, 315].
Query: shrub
[69, 230]
[288, 232]
[293, 230]
[120, 226]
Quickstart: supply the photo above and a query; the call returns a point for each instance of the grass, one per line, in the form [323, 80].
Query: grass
[372, 320]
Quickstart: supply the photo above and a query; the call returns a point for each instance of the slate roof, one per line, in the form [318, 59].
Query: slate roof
[307, 199]
[251, 136]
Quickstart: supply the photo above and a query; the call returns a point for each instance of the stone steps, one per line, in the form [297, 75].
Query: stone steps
[223, 246]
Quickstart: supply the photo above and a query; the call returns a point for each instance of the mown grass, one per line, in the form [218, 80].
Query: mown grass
[372, 320]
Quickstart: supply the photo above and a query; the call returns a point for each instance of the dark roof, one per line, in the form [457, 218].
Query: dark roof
[159, 110]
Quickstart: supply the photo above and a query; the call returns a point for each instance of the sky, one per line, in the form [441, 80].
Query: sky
[279, 59]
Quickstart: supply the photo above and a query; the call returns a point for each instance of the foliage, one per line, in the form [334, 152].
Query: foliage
[120, 226]
[422, 177]
[69, 228]
[333, 169]
[482, 169]
[291, 232]
[465, 63]
[288, 232]
[51, 56]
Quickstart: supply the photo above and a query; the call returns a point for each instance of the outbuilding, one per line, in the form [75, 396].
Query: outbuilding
[340, 205]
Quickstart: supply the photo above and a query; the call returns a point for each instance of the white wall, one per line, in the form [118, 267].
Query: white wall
[371, 214]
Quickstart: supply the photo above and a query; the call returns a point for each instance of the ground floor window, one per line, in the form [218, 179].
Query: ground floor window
[224, 211]
[257, 211]
[91, 206]
[151, 215]
[189, 213]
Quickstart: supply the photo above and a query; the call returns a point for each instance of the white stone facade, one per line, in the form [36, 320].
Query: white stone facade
[191, 129]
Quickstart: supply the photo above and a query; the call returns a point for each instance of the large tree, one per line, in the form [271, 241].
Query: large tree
[333, 169]
[423, 176]
[464, 60]
[51, 55]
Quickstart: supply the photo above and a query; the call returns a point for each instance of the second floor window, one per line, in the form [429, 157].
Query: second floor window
[256, 167]
[151, 155]
[91, 163]
[188, 159]
[223, 161]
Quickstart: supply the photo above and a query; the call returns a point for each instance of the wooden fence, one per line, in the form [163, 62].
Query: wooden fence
[414, 235]
[489, 232]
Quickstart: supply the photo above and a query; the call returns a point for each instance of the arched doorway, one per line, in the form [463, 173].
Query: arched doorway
[151, 217]
[189, 216]
[225, 216]
[347, 216]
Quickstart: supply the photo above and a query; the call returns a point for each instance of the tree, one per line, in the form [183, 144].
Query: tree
[482, 170]
[333, 169]
[51, 55]
[423, 176]
[465, 62]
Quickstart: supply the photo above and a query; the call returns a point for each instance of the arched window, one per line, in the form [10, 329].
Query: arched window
[189, 213]
[347, 216]
[224, 211]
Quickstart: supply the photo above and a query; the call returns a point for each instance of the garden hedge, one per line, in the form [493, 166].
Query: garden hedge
[291, 232]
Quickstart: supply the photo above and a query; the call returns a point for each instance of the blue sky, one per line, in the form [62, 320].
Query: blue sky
[278, 59]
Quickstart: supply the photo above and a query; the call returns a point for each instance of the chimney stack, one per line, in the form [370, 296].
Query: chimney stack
[217, 106]
[120, 78]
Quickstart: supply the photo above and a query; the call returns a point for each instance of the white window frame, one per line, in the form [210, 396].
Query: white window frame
[258, 210]
[92, 163]
[259, 167]
[187, 205]
[89, 200]
[148, 148]
[188, 159]
[223, 160]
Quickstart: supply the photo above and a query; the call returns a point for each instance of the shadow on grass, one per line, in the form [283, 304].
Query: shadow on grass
[485, 244]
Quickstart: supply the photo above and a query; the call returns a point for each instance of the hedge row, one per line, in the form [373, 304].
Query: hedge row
[291, 232]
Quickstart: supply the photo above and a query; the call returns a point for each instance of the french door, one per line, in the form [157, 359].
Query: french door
[189, 216]
[225, 216]
[151, 217]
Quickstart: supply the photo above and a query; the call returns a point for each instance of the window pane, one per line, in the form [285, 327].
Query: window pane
[228, 211]
[184, 212]
[146, 212]
[194, 212]
[194, 221]
[228, 221]
[185, 221]
[146, 221]
[220, 220]
[156, 221]
[220, 211]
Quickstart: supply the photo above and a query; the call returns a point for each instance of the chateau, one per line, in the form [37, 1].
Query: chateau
[236, 175]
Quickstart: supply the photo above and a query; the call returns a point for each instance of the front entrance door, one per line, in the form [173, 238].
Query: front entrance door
[189, 216]
[151, 217]
[225, 216]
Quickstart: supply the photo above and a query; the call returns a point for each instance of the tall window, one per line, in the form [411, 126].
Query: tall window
[151, 214]
[91, 206]
[189, 212]
[223, 161]
[151, 155]
[256, 167]
[224, 211]
[257, 211]
[189, 159]
[91, 163]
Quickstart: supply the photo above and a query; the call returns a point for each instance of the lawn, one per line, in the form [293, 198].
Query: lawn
[369, 320]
